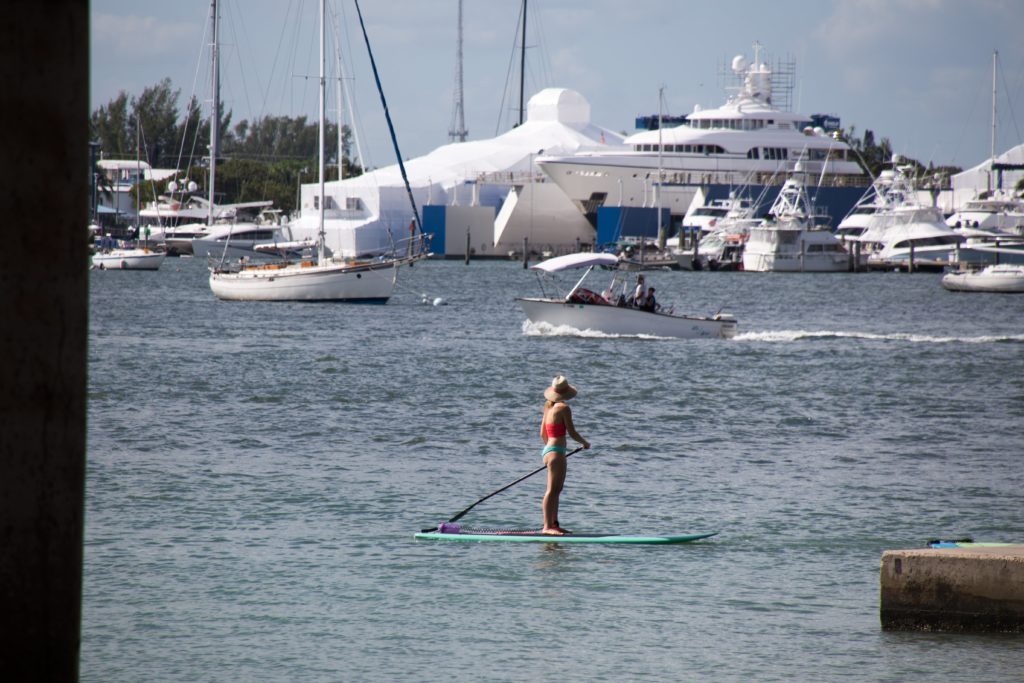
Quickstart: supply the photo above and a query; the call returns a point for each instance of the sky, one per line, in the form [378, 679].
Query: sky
[918, 72]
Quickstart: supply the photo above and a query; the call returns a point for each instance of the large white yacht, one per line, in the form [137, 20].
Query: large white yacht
[747, 141]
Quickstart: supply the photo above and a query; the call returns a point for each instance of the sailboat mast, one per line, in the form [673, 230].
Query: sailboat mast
[338, 97]
[323, 98]
[995, 55]
[215, 109]
[522, 67]
[661, 173]
[458, 129]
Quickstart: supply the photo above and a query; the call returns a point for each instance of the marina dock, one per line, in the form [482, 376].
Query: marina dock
[955, 587]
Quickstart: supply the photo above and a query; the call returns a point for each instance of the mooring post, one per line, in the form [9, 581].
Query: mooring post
[526, 252]
[467, 247]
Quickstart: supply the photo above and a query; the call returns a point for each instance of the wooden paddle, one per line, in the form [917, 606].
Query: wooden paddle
[503, 488]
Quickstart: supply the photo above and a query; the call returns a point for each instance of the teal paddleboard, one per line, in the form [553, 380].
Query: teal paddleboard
[534, 536]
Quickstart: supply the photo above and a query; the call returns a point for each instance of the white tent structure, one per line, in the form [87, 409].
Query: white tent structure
[365, 214]
[1003, 172]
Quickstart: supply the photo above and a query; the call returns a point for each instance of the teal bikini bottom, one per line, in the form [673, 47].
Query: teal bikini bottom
[552, 449]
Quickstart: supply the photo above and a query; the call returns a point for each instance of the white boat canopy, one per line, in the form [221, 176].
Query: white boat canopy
[581, 260]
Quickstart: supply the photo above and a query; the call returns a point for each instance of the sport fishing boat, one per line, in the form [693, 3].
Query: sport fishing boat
[745, 142]
[789, 240]
[584, 309]
[1004, 277]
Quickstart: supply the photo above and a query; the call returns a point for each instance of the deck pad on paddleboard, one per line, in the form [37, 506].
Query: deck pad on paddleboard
[534, 536]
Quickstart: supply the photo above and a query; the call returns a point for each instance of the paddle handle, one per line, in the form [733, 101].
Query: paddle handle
[503, 488]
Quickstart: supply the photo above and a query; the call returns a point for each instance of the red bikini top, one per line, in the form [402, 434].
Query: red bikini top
[554, 430]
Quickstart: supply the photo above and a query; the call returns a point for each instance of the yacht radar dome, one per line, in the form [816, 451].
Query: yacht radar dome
[739, 64]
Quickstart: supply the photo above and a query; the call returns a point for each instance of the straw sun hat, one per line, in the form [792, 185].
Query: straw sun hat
[560, 389]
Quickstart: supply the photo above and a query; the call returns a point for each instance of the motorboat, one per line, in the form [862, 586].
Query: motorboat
[175, 222]
[584, 309]
[1003, 277]
[233, 240]
[789, 240]
[885, 191]
[745, 141]
[1000, 215]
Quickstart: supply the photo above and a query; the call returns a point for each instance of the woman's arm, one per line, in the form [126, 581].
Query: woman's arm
[543, 432]
[571, 429]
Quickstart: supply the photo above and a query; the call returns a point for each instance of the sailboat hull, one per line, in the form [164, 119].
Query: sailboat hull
[298, 282]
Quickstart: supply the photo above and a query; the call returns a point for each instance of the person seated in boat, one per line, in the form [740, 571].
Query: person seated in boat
[649, 302]
[554, 425]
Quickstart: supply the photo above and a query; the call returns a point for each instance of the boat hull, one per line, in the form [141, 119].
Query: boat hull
[765, 262]
[371, 284]
[998, 280]
[129, 259]
[625, 321]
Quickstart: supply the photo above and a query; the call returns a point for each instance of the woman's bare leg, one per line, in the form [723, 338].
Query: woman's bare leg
[556, 479]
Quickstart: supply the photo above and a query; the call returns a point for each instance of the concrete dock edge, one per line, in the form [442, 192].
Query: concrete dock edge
[979, 588]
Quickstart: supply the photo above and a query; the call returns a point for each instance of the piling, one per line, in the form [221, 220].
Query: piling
[910, 263]
[526, 252]
[467, 247]
[964, 588]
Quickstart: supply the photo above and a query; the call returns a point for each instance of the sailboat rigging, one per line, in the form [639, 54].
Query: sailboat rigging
[327, 277]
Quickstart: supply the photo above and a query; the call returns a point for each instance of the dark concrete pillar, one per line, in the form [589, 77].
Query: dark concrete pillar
[44, 69]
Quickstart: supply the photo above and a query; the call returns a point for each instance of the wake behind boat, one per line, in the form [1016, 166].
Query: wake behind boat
[583, 309]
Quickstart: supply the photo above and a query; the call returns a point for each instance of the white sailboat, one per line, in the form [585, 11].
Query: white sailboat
[114, 254]
[121, 257]
[325, 278]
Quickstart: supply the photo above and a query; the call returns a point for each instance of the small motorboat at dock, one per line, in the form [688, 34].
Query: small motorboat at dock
[1003, 278]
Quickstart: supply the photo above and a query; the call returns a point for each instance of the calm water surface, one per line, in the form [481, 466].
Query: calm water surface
[256, 472]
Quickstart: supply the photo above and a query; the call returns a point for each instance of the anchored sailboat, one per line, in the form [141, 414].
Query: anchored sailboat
[325, 277]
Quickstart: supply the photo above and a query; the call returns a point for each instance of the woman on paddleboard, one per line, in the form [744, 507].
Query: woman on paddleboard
[556, 423]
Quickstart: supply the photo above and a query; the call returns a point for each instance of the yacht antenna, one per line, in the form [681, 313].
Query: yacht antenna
[458, 128]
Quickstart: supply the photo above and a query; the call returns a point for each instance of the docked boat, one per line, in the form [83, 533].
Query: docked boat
[122, 257]
[584, 309]
[327, 277]
[1002, 278]
[1001, 215]
[789, 240]
[243, 239]
[885, 191]
[746, 141]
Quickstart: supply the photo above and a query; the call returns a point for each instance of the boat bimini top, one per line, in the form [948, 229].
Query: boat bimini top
[581, 260]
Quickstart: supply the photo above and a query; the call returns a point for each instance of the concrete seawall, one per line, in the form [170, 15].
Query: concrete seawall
[969, 588]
